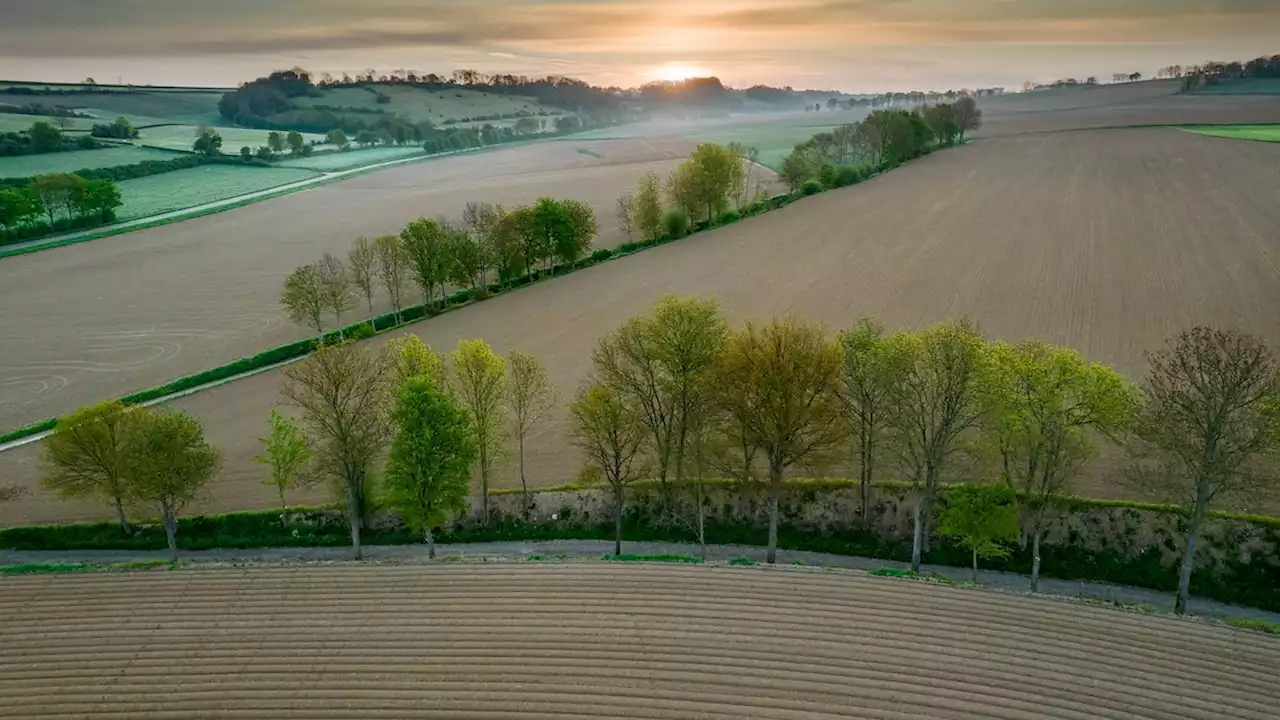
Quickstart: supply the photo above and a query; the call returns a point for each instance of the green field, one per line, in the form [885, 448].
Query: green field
[1266, 133]
[180, 137]
[13, 122]
[773, 138]
[28, 165]
[1250, 86]
[418, 104]
[207, 183]
[334, 161]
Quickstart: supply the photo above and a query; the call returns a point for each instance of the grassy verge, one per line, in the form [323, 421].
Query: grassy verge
[60, 568]
[1264, 133]
[1261, 626]
[661, 558]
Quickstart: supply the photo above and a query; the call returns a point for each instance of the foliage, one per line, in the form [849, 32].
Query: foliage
[208, 142]
[982, 518]
[479, 383]
[86, 455]
[530, 396]
[611, 435]
[661, 558]
[425, 245]
[1262, 626]
[287, 452]
[393, 261]
[648, 207]
[304, 297]
[428, 472]
[408, 357]
[168, 463]
[743, 561]
[18, 207]
[362, 258]
[967, 116]
[868, 378]
[675, 223]
[335, 287]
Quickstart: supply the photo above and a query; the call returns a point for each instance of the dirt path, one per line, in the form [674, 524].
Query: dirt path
[571, 641]
[557, 549]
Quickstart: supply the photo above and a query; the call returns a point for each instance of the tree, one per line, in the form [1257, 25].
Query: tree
[938, 398]
[575, 230]
[778, 384]
[1210, 428]
[428, 475]
[275, 141]
[479, 379]
[335, 286]
[648, 213]
[365, 139]
[425, 247]
[208, 142]
[868, 375]
[942, 122]
[708, 179]
[96, 197]
[296, 142]
[246, 153]
[464, 257]
[1044, 404]
[85, 455]
[530, 396]
[45, 138]
[982, 518]
[967, 116]
[409, 357]
[626, 209]
[611, 434]
[483, 219]
[55, 190]
[392, 265]
[304, 298]
[342, 391]
[337, 138]
[363, 258]
[169, 463]
[17, 207]
[287, 452]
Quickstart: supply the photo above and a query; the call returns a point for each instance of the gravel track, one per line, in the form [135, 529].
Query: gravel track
[578, 641]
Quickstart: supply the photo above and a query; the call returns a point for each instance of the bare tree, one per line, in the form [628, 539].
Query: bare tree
[530, 396]
[611, 435]
[392, 266]
[1208, 433]
[342, 393]
[335, 286]
[363, 258]
[303, 297]
[626, 214]
[483, 219]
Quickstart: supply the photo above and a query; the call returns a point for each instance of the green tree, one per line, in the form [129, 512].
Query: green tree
[868, 377]
[520, 240]
[967, 115]
[303, 297]
[18, 206]
[45, 138]
[246, 153]
[675, 223]
[208, 142]
[483, 220]
[983, 518]
[479, 383]
[648, 207]
[365, 139]
[428, 473]
[342, 391]
[96, 197]
[295, 141]
[778, 384]
[938, 397]
[611, 434]
[169, 463]
[337, 138]
[287, 452]
[55, 191]
[530, 396]
[564, 228]
[1210, 429]
[393, 265]
[714, 173]
[465, 257]
[942, 122]
[275, 141]
[363, 261]
[335, 286]
[1044, 406]
[85, 455]
[426, 248]
[409, 357]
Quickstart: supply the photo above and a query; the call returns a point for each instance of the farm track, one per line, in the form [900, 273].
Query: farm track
[578, 641]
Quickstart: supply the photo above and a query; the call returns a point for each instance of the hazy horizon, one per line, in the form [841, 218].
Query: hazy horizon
[849, 45]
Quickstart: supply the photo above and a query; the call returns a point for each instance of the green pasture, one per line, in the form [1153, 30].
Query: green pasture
[190, 107]
[13, 122]
[335, 161]
[1265, 133]
[1247, 86]
[420, 104]
[184, 188]
[180, 137]
[70, 161]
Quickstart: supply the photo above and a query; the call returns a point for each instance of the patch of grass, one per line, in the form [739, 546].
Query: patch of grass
[743, 561]
[592, 153]
[336, 161]
[664, 558]
[43, 568]
[537, 557]
[184, 188]
[180, 137]
[1262, 626]
[28, 165]
[1264, 133]
[894, 572]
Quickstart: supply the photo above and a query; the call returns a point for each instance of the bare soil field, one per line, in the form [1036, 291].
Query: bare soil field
[1139, 108]
[100, 319]
[1107, 241]
[599, 640]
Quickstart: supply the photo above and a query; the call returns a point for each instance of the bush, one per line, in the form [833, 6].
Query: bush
[363, 331]
[812, 187]
[728, 217]
[676, 223]
[601, 255]
[827, 175]
[848, 175]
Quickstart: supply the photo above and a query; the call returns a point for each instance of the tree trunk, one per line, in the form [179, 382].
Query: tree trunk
[975, 566]
[775, 488]
[1189, 555]
[524, 485]
[353, 518]
[916, 537]
[1035, 559]
[617, 520]
[484, 487]
[124, 524]
[431, 544]
[170, 532]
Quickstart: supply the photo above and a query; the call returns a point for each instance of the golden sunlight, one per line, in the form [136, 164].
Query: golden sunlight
[677, 71]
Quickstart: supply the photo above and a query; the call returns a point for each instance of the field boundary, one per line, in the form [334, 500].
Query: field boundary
[416, 313]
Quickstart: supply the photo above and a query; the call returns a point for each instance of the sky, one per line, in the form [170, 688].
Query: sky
[849, 45]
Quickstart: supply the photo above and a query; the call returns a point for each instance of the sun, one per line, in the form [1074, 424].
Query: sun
[677, 71]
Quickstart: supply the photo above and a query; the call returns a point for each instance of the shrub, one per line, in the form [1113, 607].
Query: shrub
[812, 187]
[676, 224]
[601, 255]
[728, 217]
[363, 331]
[827, 175]
[848, 175]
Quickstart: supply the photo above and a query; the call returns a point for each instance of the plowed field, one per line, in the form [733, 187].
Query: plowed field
[591, 641]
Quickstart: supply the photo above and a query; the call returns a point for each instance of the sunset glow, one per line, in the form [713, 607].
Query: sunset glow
[674, 72]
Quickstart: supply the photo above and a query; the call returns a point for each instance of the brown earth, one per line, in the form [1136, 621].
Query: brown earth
[594, 640]
[1107, 241]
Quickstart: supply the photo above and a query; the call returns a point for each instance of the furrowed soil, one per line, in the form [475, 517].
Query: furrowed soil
[1107, 241]
[598, 640]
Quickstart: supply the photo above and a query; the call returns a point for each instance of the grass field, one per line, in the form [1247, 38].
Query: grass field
[1266, 133]
[180, 137]
[193, 186]
[558, 640]
[70, 161]
[419, 104]
[773, 135]
[333, 161]
[13, 122]
[1252, 86]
